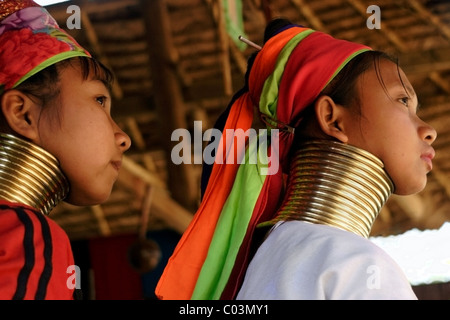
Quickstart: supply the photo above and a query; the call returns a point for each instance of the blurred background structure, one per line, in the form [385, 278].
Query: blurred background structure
[179, 61]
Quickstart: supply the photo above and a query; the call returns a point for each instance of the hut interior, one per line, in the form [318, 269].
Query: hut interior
[177, 63]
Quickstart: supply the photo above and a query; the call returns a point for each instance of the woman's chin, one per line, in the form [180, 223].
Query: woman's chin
[84, 199]
[410, 189]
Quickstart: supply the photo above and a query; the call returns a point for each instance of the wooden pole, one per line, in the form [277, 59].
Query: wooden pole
[225, 47]
[168, 97]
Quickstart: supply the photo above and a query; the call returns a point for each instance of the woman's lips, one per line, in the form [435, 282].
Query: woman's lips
[428, 158]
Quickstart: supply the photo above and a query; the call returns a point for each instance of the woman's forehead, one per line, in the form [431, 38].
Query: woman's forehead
[389, 75]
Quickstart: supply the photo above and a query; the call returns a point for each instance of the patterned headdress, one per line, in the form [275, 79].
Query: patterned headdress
[286, 76]
[30, 40]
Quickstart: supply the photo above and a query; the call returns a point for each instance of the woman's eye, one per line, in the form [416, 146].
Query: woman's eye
[405, 101]
[101, 100]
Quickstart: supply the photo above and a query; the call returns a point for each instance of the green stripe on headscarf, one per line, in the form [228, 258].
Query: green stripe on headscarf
[232, 226]
[55, 59]
[269, 95]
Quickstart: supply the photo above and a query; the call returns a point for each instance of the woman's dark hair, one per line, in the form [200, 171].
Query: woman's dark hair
[44, 85]
[343, 90]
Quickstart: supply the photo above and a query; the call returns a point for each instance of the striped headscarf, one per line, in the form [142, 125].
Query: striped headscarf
[30, 40]
[287, 75]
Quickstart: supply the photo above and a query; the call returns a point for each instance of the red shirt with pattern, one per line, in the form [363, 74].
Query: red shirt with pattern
[35, 256]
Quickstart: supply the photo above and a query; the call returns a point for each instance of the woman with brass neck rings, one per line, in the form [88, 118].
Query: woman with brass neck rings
[58, 142]
[348, 137]
[333, 190]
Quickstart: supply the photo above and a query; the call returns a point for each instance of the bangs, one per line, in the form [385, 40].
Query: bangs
[95, 70]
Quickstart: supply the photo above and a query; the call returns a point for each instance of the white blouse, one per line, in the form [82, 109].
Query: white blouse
[304, 261]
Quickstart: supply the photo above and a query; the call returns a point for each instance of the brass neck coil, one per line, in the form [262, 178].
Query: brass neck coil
[30, 175]
[335, 184]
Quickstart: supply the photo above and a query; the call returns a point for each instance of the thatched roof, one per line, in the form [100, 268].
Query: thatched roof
[175, 64]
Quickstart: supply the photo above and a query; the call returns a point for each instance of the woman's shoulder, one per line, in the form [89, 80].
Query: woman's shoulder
[17, 217]
[332, 262]
[329, 244]
[300, 231]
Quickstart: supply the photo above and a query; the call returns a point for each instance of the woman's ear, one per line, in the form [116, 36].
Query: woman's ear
[330, 117]
[21, 113]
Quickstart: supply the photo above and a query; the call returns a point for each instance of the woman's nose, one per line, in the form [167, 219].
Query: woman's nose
[428, 133]
[123, 140]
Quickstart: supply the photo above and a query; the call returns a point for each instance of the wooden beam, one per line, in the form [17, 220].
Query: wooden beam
[98, 52]
[145, 213]
[216, 8]
[425, 62]
[58, 11]
[144, 174]
[102, 222]
[175, 215]
[238, 57]
[156, 200]
[432, 18]
[168, 96]
[443, 178]
[138, 139]
[412, 205]
[305, 10]
[391, 35]
[135, 133]
[440, 81]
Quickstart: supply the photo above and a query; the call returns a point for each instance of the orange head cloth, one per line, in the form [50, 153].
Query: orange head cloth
[286, 76]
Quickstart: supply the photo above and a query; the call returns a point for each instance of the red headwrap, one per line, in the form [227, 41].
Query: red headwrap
[287, 75]
[30, 40]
